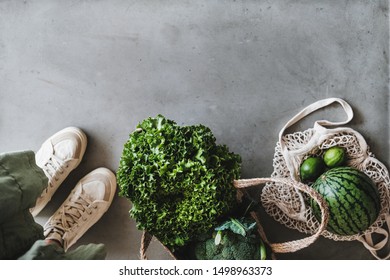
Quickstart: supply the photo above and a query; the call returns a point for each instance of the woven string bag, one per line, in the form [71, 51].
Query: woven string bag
[288, 205]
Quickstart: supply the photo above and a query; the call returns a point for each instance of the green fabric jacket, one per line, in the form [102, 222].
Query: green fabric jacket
[21, 182]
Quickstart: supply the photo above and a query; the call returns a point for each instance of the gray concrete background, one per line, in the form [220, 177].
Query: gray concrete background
[243, 68]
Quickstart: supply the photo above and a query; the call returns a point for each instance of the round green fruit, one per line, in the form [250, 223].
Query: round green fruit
[311, 168]
[352, 197]
[334, 156]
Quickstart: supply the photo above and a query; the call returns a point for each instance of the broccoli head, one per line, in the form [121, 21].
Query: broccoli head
[227, 244]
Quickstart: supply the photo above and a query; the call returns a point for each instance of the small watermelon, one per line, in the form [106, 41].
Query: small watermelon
[352, 197]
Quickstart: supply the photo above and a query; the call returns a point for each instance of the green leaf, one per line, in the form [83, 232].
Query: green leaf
[225, 225]
[242, 226]
[237, 227]
[178, 179]
[233, 225]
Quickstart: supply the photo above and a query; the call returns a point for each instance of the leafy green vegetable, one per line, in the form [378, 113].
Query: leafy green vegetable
[178, 179]
[235, 239]
[238, 226]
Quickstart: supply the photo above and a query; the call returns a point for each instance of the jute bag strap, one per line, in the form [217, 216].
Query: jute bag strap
[146, 238]
[295, 245]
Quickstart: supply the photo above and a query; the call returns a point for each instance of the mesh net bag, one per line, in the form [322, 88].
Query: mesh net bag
[288, 205]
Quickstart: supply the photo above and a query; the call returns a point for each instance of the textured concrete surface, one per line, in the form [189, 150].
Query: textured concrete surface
[243, 68]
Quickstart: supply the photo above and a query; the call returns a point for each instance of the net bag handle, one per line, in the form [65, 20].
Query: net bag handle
[295, 245]
[314, 107]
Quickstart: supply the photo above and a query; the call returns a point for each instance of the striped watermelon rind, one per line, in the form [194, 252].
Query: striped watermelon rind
[352, 197]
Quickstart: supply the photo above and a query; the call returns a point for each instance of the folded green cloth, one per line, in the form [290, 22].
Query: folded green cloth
[41, 250]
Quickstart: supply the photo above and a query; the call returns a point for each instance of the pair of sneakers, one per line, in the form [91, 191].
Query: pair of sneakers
[90, 198]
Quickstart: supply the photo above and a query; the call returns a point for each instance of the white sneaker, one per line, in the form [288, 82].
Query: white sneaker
[86, 204]
[58, 156]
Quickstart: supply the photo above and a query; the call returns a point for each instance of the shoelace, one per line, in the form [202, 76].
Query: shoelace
[70, 214]
[52, 168]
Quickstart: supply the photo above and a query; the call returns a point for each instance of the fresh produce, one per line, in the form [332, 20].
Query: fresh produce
[334, 156]
[311, 168]
[235, 239]
[352, 197]
[180, 182]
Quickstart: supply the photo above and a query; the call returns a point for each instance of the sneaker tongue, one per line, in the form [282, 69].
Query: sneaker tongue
[43, 155]
[94, 190]
[65, 149]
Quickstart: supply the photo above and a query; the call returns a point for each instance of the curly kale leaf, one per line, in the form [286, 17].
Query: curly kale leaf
[178, 179]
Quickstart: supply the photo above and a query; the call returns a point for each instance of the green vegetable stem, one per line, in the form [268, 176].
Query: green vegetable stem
[180, 182]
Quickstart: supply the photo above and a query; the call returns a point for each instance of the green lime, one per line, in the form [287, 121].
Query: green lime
[334, 156]
[311, 168]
